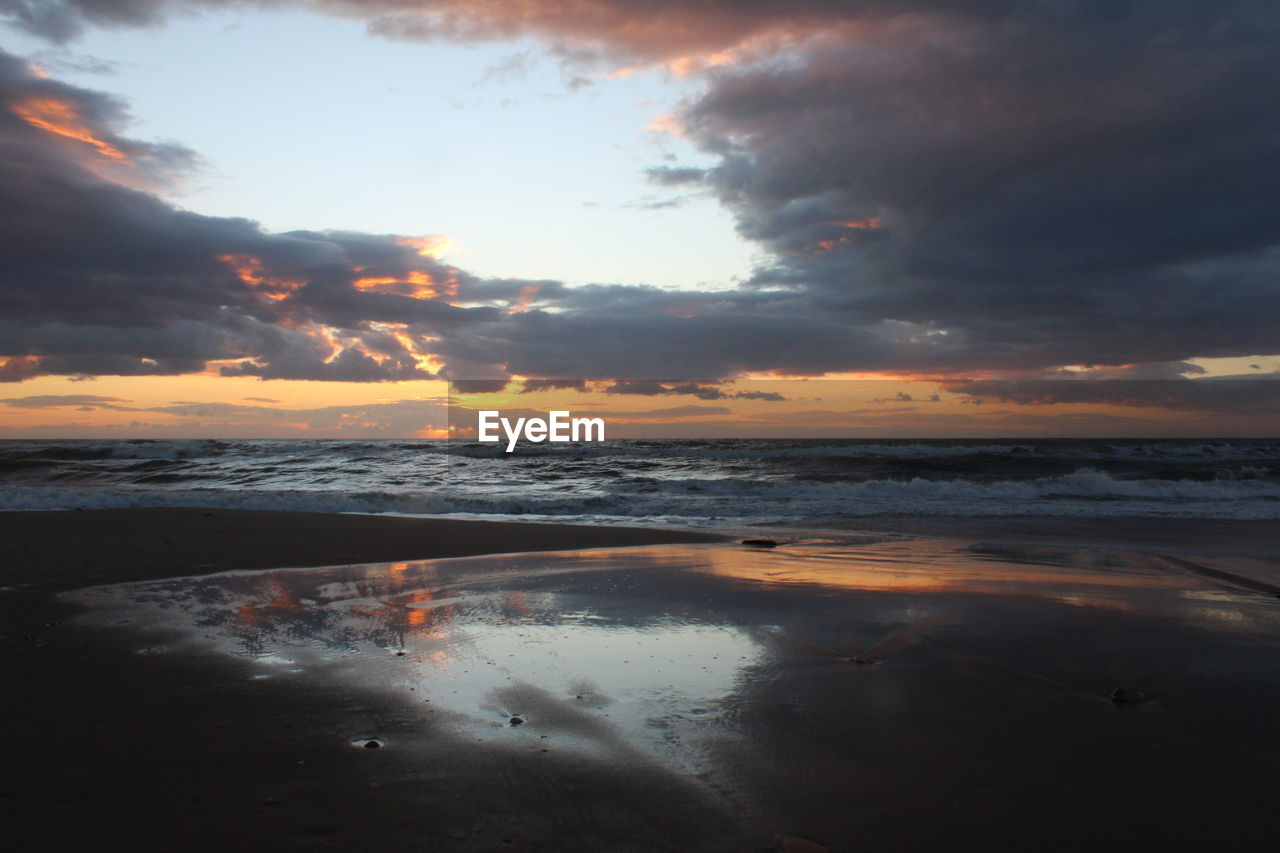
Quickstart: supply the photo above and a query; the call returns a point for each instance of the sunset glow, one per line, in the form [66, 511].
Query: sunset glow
[62, 118]
[705, 194]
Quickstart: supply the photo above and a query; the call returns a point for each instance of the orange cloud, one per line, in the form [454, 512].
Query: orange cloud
[417, 284]
[61, 118]
[251, 271]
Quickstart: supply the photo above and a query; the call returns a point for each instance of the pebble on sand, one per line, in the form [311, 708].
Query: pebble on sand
[1127, 696]
[760, 543]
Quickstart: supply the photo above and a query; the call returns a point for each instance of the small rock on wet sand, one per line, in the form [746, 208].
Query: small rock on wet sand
[760, 543]
[1127, 696]
[802, 845]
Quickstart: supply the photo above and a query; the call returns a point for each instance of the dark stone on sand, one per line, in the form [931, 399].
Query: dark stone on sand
[802, 845]
[1127, 696]
[760, 543]
[515, 721]
[373, 743]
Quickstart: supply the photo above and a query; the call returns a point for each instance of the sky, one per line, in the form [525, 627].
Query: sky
[305, 217]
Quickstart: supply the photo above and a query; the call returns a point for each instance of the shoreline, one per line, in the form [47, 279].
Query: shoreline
[57, 550]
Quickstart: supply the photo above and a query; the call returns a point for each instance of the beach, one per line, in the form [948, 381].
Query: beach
[179, 679]
[650, 427]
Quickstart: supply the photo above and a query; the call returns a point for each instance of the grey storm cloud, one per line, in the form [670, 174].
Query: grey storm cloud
[939, 187]
[530, 386]
[1251, 394]
[1075, 178]
[673, 412]
[701, 390]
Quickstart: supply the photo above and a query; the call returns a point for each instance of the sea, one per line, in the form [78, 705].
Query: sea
[673, 482]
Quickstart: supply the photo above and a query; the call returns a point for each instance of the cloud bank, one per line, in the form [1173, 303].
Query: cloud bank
[941, 189]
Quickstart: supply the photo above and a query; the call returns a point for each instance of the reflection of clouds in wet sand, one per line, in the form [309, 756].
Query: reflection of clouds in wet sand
[597, 678]
[823, 686]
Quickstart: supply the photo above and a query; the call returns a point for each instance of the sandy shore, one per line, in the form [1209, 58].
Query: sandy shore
[864, 692]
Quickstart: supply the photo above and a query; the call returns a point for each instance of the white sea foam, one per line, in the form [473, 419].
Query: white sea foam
[1082, 493]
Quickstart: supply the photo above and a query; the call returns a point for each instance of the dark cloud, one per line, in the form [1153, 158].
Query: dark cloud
[904, 397]
[19, 369]
[1071, 181]
[1250, 394]
[530, 386]
[477, 386]
[47, 120]
[702, 390]
[674, 412]
[653, 388]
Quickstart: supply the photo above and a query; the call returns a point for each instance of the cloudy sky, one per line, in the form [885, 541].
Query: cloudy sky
[328, 207]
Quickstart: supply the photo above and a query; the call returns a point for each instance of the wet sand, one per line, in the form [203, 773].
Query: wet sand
[1215, 537]
[57, 550]
[847, 692]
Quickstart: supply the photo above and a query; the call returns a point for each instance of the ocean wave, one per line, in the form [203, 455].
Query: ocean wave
[736, 449]
[1084, 492]
[1082, 483]
[298, 500]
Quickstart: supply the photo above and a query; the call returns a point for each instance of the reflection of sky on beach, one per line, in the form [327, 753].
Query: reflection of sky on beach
[663, 651]
[1095, 576]
[479, 654]
[828, 687]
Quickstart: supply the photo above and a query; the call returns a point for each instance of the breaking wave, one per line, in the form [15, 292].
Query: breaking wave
[685, 482]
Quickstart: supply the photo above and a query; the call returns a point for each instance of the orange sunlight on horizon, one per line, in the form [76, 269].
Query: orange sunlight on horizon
[215, 406]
